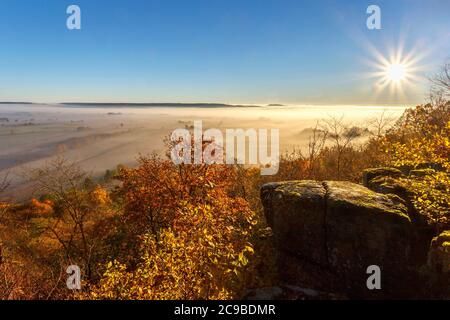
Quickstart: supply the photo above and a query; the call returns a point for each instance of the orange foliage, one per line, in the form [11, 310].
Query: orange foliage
[153, 192]
[192, 235]
[45, 207]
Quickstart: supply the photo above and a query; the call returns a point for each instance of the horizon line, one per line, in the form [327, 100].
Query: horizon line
[218, 104]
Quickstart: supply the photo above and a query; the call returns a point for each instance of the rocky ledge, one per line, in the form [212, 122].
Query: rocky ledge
[327, 234]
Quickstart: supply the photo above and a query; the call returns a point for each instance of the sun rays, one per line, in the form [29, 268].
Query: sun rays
[396, 73]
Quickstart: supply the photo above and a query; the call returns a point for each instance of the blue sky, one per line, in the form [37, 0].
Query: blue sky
[231, 51]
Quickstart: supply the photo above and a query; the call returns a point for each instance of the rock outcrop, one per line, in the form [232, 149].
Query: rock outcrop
[439, 264]
[296, 214]
[328, 233]
[439, 255]
[370, 176]
[387, 181]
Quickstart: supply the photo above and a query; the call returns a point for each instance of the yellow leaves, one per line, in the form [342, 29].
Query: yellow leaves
[424, 138]
[430, 195]
[205, 259]
[249, 249]
[243, 259]
[100, 196]
[192, 233]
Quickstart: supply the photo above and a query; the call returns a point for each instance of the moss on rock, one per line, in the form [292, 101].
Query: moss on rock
[373, 173]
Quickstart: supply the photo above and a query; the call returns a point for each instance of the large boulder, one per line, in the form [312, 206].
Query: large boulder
[384, 180]
[374, 173]
[366, 228]
[389, 181]
[341, 227]
[296, 213]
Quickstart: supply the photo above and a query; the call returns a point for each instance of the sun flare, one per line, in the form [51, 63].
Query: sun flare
[396, 72]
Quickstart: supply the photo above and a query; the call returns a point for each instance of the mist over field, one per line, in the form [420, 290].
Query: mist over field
[101, 137]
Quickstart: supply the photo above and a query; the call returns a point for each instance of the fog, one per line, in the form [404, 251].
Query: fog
[99, 138]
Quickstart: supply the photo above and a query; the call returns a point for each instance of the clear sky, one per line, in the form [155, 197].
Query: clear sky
[231, 51]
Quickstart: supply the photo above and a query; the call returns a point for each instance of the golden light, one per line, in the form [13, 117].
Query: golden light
[396, 68]
[399, 72]
[396, 72]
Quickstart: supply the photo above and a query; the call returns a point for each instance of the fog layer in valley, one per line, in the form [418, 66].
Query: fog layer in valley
[99, 138]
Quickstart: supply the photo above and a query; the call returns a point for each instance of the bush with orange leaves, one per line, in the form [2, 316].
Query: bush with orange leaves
[193, 237]
[45, 207]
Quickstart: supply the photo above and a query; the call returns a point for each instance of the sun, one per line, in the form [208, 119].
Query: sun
[396, 72]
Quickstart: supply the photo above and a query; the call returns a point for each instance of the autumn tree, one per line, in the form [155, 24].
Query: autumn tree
[80, 212]
[192, 236]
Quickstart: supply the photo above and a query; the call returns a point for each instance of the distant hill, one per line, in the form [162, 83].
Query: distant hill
[8, 102]
[150, 105]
